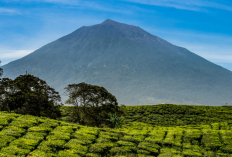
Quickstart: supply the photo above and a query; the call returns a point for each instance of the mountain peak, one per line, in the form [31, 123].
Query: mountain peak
[133, 32]
[109, 21]
[115, 23]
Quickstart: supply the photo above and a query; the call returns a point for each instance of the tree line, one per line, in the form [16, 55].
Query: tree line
[28, 94]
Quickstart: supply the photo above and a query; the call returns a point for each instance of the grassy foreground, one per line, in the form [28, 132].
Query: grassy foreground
[25, 135]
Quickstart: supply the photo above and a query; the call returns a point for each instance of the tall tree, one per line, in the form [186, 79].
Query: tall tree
[92, 104]
[28, 94]
[7, 91]
[1, 70]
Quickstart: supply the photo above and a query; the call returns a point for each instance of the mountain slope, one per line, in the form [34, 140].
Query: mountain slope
[135, 66]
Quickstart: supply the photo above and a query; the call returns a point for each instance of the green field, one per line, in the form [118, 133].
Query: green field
[154, 130]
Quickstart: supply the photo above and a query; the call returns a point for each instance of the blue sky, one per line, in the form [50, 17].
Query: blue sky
[202, 26]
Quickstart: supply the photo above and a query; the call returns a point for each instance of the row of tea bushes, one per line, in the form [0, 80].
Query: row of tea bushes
[25, 135]
[171, 115]
[177, 115]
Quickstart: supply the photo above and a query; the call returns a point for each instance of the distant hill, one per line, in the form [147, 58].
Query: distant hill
[134, 65]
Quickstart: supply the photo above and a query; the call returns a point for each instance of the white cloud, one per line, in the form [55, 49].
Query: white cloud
[97, 6]
[102, 7]
[73, 2]
[7, 10]
[85, 4]
[8, 55]
[194, 5]
[218, 58]
[214, 53]
[70, 2]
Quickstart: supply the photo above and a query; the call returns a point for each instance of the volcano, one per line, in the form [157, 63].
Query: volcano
[132, 64]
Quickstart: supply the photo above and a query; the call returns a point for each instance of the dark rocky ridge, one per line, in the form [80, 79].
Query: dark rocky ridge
[134, 65]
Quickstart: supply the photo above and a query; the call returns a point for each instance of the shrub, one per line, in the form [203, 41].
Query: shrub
[58, 136]
[74, 145]
[124, 150]
[115, 121]
[40, 129]
[100, 147]
[25, 143]
[35, 135]
[12, 131]
[14, 150]
[68, 153]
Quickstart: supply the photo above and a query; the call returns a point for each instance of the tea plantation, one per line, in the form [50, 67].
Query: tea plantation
[178, 115]
[154, 130]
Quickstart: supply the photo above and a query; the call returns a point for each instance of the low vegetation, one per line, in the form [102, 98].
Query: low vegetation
[169, 114]
[26, 135]
[177, 115]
